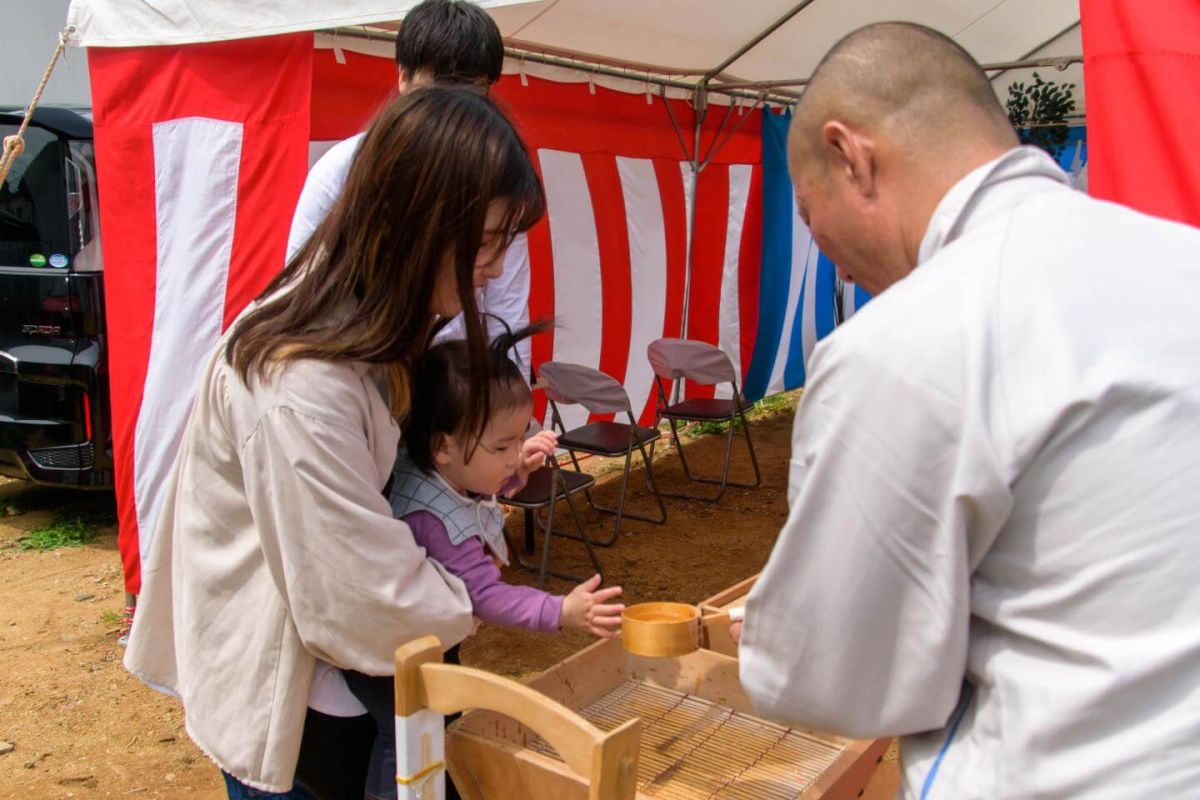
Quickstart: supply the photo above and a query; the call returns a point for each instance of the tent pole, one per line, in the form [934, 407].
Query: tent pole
[717, 147]
[708, 155]
[658, 76]
[700, 104]
[1046, 43]
[662, 92]
[748, 46]
[687, 276]
[1000, 67]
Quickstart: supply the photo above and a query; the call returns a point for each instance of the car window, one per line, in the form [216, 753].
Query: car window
[34, 204]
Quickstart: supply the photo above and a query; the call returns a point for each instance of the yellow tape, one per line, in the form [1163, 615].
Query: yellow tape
[422, 775]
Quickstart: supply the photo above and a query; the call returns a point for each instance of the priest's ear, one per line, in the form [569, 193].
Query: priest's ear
[850, 155]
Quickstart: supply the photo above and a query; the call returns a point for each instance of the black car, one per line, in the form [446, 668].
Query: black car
[54, 406]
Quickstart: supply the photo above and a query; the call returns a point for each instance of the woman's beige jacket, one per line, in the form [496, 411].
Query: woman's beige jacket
[275, 547]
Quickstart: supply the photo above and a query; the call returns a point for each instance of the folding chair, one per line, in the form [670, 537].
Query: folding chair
[704, 364]
[600, 394]
[427, 689]
[545, 487]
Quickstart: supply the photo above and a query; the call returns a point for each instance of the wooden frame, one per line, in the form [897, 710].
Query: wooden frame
[427, 689]
[490, 756]
[717, 632]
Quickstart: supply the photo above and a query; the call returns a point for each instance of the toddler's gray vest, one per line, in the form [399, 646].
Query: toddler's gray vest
[413, 489]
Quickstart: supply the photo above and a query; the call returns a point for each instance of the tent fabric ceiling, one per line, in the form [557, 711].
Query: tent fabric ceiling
[683, 38]
[135, 23]
[697, 35]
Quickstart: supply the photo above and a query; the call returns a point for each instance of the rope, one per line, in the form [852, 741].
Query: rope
[420, 781]
[15, 145]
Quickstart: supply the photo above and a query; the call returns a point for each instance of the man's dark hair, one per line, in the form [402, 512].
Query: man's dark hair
[454, 41]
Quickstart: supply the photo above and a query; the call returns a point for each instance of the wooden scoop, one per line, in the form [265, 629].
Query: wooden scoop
[666, 630]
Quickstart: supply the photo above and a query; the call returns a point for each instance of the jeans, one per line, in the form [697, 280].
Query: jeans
[240, 791]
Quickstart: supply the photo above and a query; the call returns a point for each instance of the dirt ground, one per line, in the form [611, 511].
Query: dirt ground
[82, 727]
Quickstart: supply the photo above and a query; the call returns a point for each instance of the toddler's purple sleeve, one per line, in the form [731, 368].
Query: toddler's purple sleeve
[494, 601]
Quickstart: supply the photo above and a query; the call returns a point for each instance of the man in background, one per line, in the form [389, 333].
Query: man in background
[440, 41]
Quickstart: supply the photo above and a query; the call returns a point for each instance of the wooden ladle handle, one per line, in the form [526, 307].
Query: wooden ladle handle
[732, 614]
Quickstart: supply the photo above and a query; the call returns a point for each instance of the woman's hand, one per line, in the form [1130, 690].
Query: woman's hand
[735, 631]
[534, 452]
[584, 609]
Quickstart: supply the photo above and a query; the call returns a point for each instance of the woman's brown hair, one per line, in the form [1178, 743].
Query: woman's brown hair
[414, 205]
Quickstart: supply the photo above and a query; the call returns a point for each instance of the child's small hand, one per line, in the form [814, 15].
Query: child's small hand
[534, 452]
[584, 609]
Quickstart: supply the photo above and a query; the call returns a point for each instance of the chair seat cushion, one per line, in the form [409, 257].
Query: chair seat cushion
[604, 438]
[536, 492]
[703, 408]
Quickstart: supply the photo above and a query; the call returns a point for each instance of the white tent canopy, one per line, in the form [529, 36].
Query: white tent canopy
[682, 41]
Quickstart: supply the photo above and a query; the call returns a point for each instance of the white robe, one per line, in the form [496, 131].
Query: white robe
[994, 540]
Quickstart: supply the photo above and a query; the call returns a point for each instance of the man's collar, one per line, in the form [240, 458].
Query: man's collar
[955, 207]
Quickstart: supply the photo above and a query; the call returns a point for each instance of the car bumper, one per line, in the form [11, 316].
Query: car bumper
[33, 450]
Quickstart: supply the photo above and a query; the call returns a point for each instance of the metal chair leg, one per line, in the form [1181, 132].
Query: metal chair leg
[583, 537]
[529, 543]
[657, 422]
[620, 511]
[547, 538]
[724, 481]
[548, 532]
[653, 484]
[606, 542]
[753, 456]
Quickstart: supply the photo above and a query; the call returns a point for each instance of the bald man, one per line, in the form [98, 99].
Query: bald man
[993, 548]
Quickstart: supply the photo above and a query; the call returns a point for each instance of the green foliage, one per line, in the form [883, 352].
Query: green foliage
[785, 401]
[110, 617]
[610, 466]
[66, 531]
[706, 428]
[1039, 112]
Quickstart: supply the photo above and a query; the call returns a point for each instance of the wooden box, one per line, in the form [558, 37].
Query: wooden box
[700, 738]
[717, 632]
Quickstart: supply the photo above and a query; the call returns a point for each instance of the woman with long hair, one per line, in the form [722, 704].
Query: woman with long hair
[275, 549]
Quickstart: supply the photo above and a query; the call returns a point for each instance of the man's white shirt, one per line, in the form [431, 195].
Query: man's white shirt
[993, 547]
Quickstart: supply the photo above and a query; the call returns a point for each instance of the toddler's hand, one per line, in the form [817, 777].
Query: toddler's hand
[534, 452]
[584, 609]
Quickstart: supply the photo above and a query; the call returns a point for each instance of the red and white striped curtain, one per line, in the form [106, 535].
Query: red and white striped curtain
[201, 153]
[609, 262]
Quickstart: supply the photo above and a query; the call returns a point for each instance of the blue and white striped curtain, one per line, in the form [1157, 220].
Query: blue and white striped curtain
[801, 300]
[798, 291]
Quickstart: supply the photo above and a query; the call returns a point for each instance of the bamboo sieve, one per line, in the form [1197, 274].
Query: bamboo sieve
[666, 630]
